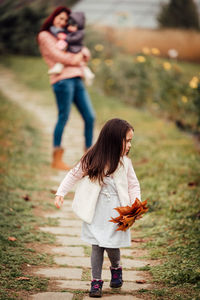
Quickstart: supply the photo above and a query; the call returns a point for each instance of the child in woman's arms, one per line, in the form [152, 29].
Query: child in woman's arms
[71, 39]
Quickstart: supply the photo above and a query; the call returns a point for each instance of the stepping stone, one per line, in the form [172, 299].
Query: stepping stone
[132, 263]
[126, 252]
[85, 262]
[68, 210]
[72, 284]
[62, 230]
[70, 223]
[71, 251]
[67, 206]
[128, 263]
[116, 297]
[127, 287]
[62, 215]
[70, 241]
[127, 275]
[56, 214]
[52, 296]
[59, 273]
[67, 203]
[75, 262]
[59, 177]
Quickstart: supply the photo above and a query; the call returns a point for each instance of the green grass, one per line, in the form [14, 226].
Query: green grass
[190, 69]
[27, 70]
[166, 162]
[20, 164]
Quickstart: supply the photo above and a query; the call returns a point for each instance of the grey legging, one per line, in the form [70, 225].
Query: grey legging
[97, 257]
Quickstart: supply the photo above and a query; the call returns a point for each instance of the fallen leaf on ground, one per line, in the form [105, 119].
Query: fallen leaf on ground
[198, 215]
[142, 161]
[192, 183]
[12, 238]
[138, 240]
[23, 278]
[26, 198]
[140, 281]
[53, 192]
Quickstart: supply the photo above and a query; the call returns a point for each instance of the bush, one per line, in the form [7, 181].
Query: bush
[20, 22]
[179, 14]
[19, 27]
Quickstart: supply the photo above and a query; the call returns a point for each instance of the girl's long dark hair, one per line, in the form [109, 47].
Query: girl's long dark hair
[49, 21]
[103, 158]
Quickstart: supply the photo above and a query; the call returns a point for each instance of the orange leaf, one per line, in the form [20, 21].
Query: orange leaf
[115, 220]
[53, 191]
[23, 278]
[140, 281]
[138, 240]
[123, 210]
[129, 214]
[121, 227]
[12, 238]
[26, 198]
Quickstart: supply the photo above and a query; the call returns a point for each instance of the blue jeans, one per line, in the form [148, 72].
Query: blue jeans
[68, 91]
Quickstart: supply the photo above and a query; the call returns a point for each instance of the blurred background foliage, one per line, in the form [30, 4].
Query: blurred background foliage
[145, 80]
[179, 14]
[20, 22]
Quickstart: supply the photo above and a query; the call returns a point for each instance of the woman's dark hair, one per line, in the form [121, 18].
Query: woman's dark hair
[49, 21]
[103, 158]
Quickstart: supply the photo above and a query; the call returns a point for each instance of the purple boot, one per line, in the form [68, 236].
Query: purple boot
[96, 288]
[116, 280]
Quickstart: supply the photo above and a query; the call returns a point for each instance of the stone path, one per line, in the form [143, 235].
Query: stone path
[71, 271]
[73, 261]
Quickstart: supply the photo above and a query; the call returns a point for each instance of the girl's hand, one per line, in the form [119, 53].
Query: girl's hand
[58, 201]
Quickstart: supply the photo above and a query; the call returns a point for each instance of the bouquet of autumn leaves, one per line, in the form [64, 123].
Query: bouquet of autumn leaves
[128, 214]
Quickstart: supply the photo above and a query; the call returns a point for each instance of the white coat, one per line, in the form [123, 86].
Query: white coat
[87, 192]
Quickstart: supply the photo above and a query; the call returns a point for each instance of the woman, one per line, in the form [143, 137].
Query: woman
[68, 85]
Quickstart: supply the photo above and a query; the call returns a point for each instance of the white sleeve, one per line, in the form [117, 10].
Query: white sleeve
[70, 180]
[133, 184]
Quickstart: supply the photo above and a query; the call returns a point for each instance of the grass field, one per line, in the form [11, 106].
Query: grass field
[21, 162]
[166, 162]
[186, 42]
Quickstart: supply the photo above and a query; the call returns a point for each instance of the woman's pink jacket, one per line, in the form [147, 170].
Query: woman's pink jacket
[52, 55]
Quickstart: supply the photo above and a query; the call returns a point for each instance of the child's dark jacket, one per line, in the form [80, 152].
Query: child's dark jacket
[75, 39]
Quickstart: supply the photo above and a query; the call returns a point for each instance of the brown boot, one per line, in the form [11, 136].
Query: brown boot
[57, 162]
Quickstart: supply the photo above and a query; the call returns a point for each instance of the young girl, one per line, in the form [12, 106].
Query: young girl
[106, 180]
